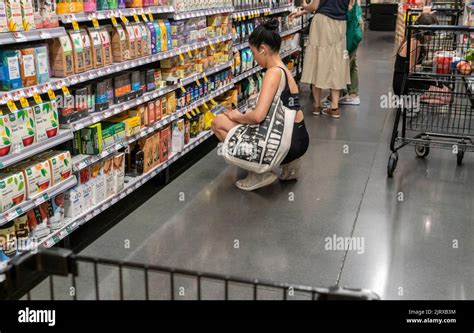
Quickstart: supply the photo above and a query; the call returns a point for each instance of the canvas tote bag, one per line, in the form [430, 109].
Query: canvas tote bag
[262, 147]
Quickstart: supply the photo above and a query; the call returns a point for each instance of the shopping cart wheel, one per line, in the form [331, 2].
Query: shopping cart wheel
[392, 164]
[460, 156]
[422, 150]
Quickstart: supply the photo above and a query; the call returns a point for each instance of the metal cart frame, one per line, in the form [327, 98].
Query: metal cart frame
[25, 271]
[448, 128]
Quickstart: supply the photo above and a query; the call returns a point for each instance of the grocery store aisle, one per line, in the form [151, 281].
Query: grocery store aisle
[202, 222]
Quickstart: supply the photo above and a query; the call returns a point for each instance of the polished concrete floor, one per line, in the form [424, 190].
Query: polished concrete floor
[420, 247]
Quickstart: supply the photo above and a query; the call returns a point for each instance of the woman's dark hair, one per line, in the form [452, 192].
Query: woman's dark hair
[425, 19]
[266, 33]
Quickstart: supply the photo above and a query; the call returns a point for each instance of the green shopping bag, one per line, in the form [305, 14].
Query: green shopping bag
[354, 30]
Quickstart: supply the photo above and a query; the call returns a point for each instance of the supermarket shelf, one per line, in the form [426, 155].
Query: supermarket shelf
[266, 11]
[82, 161]
[204, 12]
[31, 35]
[246, 74]
[206, 73]
[282, 34]
[287, 53]
[241, 46]
[56, 83]
[26, 205]
[290, 31]
[133, 184]
[34, 149]
[119, 108]
[107, 14]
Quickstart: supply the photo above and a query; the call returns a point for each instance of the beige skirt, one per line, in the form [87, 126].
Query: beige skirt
[326, 61]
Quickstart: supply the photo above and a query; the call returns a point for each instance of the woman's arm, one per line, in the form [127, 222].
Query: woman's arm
[271, 82]
[415, 54]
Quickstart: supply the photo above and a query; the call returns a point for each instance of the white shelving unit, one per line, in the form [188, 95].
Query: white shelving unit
[203, 12]
[34, 149]
[26, 205]
[131, 185]
[82, 161]
[57, 83]
[107, 14]
[31, 35]
[265, 11]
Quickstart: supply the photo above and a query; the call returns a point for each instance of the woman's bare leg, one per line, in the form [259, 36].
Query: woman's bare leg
[317, 95]
[221, 125]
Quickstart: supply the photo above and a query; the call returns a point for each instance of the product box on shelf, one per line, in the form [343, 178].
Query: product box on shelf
[56, 218]
[28, 67]
[5, 135]
[147, 147]
[165, 143]
[3, 17]
[37, 176]
[42, 64]
[106, 46]
[131, 41]
[22, 127]
[138, 40]
[48, 13]
[27, 14]
[77, 51]
[178, 136]
[60, 165]
[86, 195]
[98, 183]
[22, 231]
[139, 112]
[119, 172]
[86, 42]
[108, 132]
[156, 148]
[46, 120]
[14, 18]
[73, 202]
[10, 74]
[60, 50]
[96, 48]
[38, 221]
[91, 140]
[8, 241]
[108, 168]
[12, 189]
[122, 87]
[90, 6]
[120, 44]
[132, 124]
[152, 33]
[145, 39]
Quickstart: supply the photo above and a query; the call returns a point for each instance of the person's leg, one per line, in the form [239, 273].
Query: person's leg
[317, 100]
[221, 125]
[333, 110]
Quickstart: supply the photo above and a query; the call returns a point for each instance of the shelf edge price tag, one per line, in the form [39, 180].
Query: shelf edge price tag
[65, 90]
[37, 98]
[11, 105]
[198, 82]
[135, 17]
[144, 18]
[213, 101]
[75, 25]
[124, 19]
[113, 19]
[24, 102]
[51, 94]
[95, 22]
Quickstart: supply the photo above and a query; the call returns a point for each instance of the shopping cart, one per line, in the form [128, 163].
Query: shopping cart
[437, 107]
[26, 271]
[447, 13]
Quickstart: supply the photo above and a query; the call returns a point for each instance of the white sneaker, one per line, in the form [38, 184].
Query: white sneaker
[255, 181]
[349, 100]
[291, 170]
[325, 103]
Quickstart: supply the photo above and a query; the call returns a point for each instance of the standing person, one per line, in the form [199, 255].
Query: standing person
[353, 36]
[326, 62]
[278, 86]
